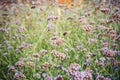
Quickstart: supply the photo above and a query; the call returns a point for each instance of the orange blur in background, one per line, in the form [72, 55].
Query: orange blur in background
[64, 1]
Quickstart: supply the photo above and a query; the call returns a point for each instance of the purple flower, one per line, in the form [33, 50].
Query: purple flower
[105, 10]
[21, 29]
[19, 75]
[11, 68]
[118, 53]
[82, 75]
[52, 18]
[58, 54]
[50, 26]
[43, 51]
[20, 63]
[73, 68]
[55, 40]
[100, 77]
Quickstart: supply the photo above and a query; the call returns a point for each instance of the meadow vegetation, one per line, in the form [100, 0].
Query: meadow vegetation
[52, 41]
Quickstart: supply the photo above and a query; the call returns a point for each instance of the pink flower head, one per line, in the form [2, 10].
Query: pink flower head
[11, 68]
[109, 53]
[21, 29]
[43, 51]
[73, 68]
[82, 75]
[18, 75]
[56, 40]
[58, 54]
[20, 64]
[36, 55]
[105, 10]
[30, 64]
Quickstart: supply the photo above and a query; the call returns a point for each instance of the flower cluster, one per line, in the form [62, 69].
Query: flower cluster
[46, 64]
[23, 46]
[73, 68]
[36, 55]
[43, 52]
[88, 14]
[88, 28]
[105, 10]
[55, 40]
[116, 16]
[20, 63]
[21, 29]
[91, 40]
[30, 64]
[81, 19]
[19, 75]
[104, 43]
[5, 30]
[58, 54]
[88, 55]
[103, 21]
[101, 27]
[108, 53]
[52, 18]
[11, 68]
[82, 75]
[102, 61]
[112, 33]
[101, 77]
[50, 26]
